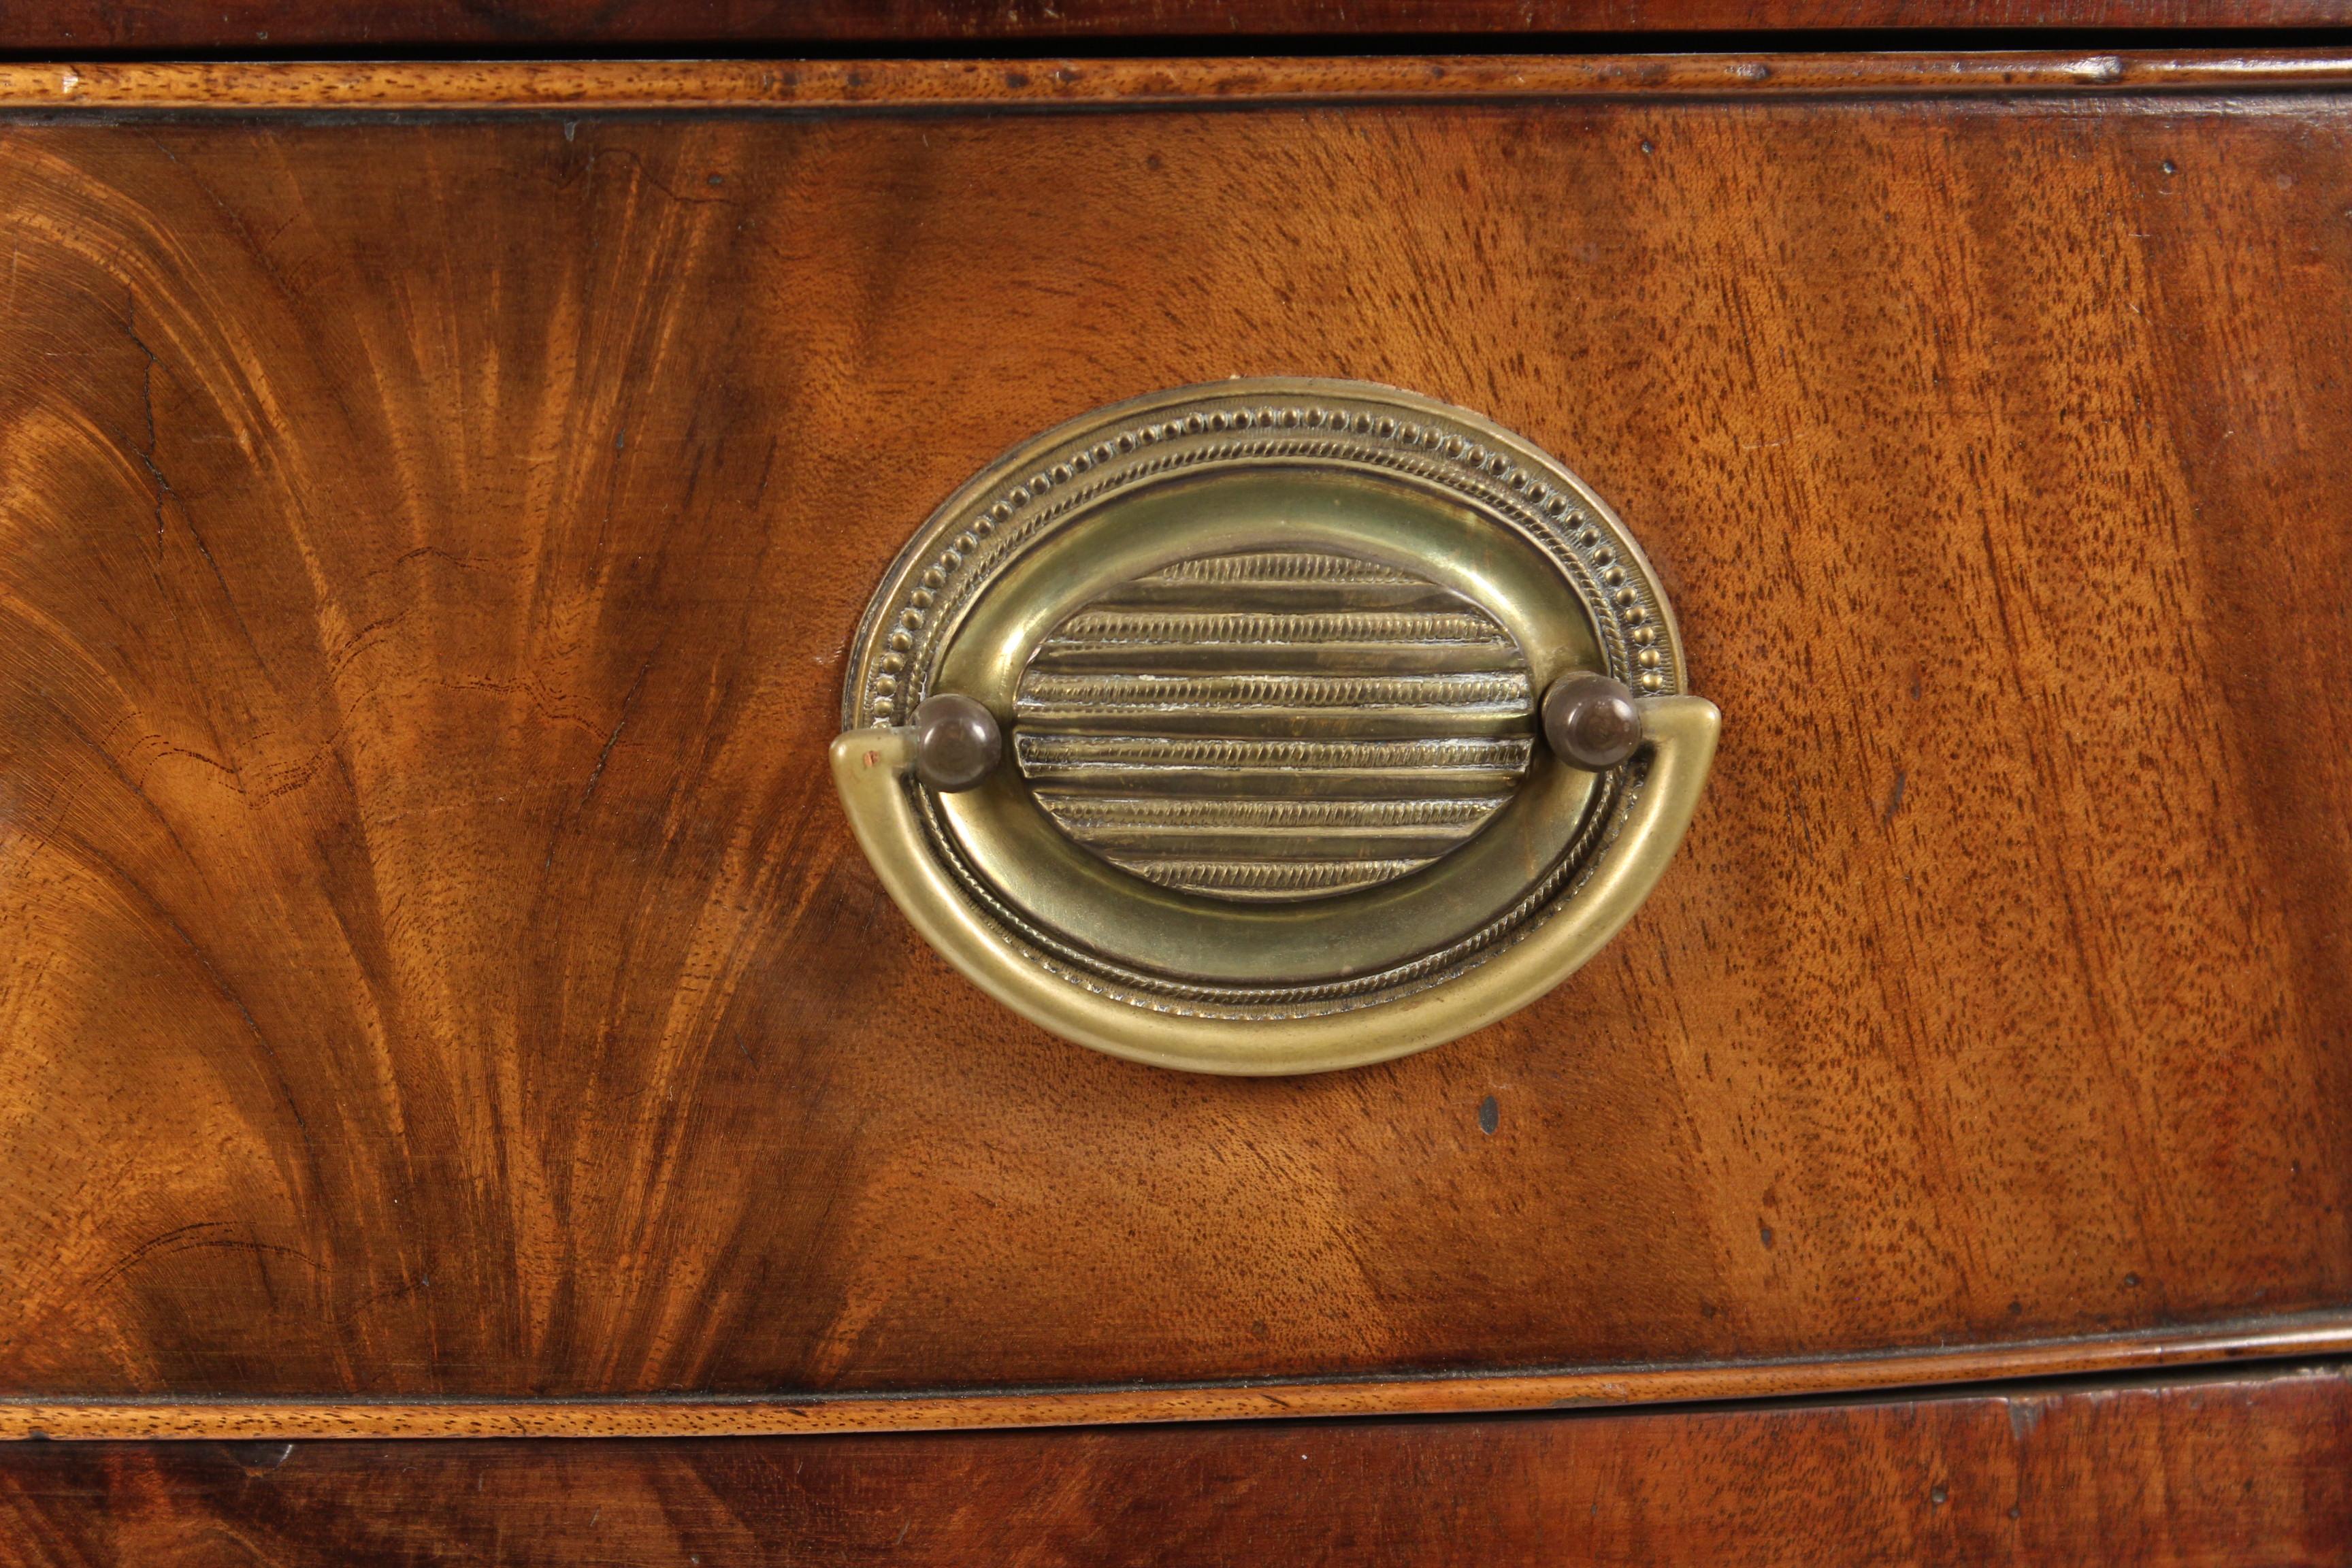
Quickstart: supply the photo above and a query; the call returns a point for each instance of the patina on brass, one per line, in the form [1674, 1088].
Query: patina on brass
[1277, 797]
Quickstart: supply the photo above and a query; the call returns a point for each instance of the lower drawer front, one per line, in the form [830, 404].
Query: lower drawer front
[2227, 1472]
[433, 963]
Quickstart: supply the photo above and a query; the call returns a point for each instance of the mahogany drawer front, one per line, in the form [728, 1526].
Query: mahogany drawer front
[432, 964]
[2249, 1469]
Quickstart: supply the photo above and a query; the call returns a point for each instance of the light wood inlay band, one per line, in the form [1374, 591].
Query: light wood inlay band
[692, 1416]
[894, 86]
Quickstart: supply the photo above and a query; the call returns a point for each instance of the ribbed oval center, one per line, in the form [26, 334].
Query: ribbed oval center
[1270, 726]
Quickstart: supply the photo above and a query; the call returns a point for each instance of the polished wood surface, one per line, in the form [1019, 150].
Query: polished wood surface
[2257, 1471]
[432, 961]
[539, 87]
[241, 25]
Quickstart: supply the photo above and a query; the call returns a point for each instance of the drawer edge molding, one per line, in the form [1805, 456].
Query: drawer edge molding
[900, 86]
[2300, 1336]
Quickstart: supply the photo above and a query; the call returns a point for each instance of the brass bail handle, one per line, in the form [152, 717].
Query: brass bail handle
[959, 744]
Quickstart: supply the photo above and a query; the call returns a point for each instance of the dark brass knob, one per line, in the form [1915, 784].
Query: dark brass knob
[1590, 721]
[958, 742]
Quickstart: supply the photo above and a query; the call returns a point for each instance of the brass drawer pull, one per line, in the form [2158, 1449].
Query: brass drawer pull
[1271, 727]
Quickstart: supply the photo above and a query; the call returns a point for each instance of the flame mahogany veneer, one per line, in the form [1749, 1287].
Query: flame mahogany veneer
[433, 965]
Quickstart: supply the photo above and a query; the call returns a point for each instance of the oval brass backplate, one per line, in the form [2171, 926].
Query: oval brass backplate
[1269, 660]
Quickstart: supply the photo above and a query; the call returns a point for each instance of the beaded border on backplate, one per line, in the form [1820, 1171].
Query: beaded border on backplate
[1047, 484]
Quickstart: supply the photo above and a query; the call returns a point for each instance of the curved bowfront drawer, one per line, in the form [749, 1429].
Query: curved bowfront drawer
[597, 704]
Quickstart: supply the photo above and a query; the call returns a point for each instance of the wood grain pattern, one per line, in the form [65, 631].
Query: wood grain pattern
[432, 961]
[539, 87]
[172, 26]
[2224, 1473]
